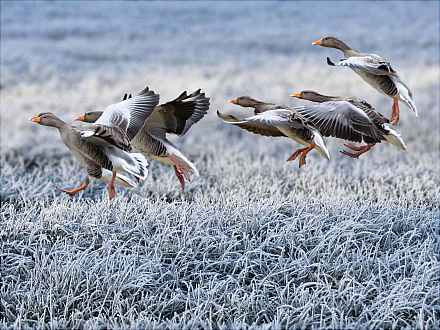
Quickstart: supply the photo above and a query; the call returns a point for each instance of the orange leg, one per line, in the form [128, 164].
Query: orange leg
[296, 154]
[302, 159]
[359, 150]
[111, 187]
[302, 153]
[74, 191]
[180, 177]
[396, 111]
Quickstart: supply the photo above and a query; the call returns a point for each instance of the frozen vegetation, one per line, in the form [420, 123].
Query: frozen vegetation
[255, 242]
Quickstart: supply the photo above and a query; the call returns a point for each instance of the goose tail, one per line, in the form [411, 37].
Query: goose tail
[393, 137]
[124, 179]
[405, 95]
[411, 105]
[138, 165]
[125, 162]
[320, 145]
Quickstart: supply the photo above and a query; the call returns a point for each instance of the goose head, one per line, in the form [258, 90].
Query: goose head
[47, 119]
[89, 117]
[313, 96]
[245, 101]
[331, 42]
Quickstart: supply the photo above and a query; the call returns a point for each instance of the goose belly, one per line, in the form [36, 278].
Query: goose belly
[383, 84]
[149, 146]
[292, 134]
[77, 147]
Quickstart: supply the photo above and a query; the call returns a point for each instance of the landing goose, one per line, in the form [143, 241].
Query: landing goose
[276, 120]
[174, 117]
[348, 118]
[103, 147]
[376, 71]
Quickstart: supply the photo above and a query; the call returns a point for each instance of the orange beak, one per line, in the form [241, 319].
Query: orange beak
[317, 42]
[36, 119]
[298, 95]
[80, 118]
[233, 101]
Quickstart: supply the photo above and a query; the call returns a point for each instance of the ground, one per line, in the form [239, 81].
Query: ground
[254, 242]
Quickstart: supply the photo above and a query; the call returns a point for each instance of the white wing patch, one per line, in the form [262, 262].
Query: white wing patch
[130, 114]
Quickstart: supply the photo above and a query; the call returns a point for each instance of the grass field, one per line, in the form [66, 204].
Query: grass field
[255, 242]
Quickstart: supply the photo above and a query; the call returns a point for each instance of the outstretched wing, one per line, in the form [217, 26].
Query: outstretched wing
[340, 119]
[178, 115]
[120, 122]
[263, 124]
[371, 63]
[130, 114]
[371, 112]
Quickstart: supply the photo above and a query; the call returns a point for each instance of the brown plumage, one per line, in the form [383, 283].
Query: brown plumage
[174, 117]
[277, 120]
[347, 118]
[374, 70]
[96, 158]
[102, 146]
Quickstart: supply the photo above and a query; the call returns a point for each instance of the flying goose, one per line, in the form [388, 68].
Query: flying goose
[249, 102]
[276, 120]
[175, 117]
[103, 147]
[376, 71]
[348, 118]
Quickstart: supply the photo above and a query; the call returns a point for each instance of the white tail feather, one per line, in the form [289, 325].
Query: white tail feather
[141, 166]
[393, 137]
[411, 105]
[122, 179]
[405, 95]
[320, 145]
[133, 163]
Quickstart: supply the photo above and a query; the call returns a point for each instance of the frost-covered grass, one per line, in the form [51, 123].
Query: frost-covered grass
[254, 242]
[136, 262]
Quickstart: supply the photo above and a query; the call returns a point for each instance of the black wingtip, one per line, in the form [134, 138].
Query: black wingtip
[148, 92]
[329, 62]
[143, 91]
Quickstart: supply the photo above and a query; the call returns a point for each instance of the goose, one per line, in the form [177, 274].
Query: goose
[348, 118]
[276, 121]
[174, 117]
[376, 71]
[103, 147]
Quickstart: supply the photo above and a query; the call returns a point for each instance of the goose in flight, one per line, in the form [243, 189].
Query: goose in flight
[103, 148]
[348, 118]
[279, 121]
[376, 71]
[174, 117]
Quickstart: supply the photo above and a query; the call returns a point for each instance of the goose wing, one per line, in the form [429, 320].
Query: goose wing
[340, 119]
[371, 112]
[265, 123]
[370, 63]
[129, 115]
[259, 108]
[178, 115]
